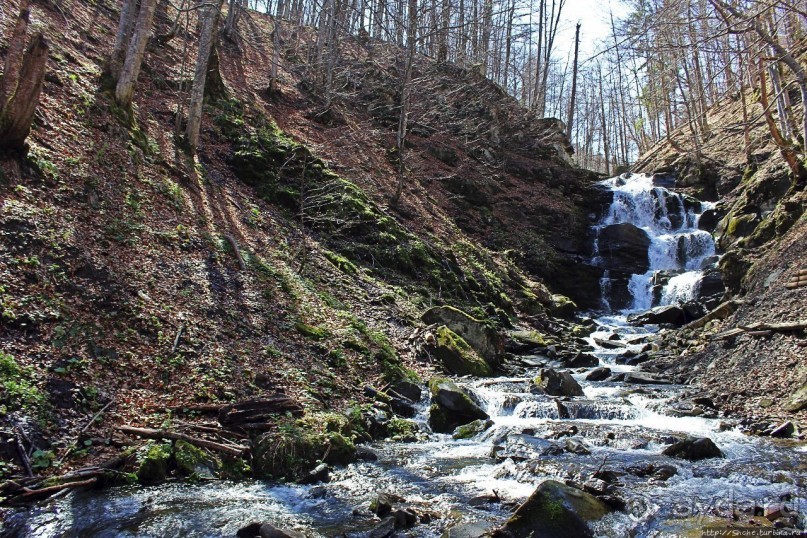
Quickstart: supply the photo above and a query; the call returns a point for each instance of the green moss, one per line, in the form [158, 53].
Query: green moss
[456, 356]
[341, 263]
[153, 463]
[296, 447]
[309, 331]
[472, 429]
[191, 460]
[404, 430]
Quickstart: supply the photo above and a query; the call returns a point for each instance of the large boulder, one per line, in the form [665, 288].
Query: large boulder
[671, 314]
[455, 355]
[557, 383]
[554, 510]
[451, 407]
[693, 449]
[483, 338]
[623, 247]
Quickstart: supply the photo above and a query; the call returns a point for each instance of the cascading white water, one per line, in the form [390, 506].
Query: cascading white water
[678, 250]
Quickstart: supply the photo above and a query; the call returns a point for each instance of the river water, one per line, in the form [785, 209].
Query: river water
[624, 428]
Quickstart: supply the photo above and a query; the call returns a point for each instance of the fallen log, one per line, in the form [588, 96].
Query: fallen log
[29, 495]
[721, 311]
[259, 410]
[728, 334]
[230, 450]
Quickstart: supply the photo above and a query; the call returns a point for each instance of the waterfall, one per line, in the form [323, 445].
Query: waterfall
[644, 218]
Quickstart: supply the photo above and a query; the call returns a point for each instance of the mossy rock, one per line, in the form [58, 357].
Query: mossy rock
[293, 450]
[472, 429]
[404, 430]
[193, 461]
[563, 307]
[153, 463]
[736, 227]
[480, 334]
[456, 356]
[733, 266]
[451, 407]
[555, 510]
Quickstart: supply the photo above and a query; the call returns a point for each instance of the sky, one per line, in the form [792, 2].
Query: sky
[596, 25]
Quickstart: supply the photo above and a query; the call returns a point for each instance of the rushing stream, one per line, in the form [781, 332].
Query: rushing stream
[622, 427]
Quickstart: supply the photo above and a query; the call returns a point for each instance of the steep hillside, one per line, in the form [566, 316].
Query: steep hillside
[761, 229]
[142, 282]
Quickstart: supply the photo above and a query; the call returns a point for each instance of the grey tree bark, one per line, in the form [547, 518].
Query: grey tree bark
[134, 55]
[209, 23]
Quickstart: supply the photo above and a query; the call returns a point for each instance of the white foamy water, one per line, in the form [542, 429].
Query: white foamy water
[678, 249]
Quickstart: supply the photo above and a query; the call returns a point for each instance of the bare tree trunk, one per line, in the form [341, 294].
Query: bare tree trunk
[406, 83]
[233, 15]
[570, 117]
[21, 85]
[128, 16]
[210, 20]
[134, 56]
[445, 18]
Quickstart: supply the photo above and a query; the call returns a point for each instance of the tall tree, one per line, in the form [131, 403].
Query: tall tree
[21, 83]
[208, 25]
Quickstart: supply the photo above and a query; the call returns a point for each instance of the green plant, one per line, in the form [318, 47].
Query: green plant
[42, 459]
[17, 389]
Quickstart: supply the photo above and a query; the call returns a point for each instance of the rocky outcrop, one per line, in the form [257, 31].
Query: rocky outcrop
[554, 510]
[623, 247]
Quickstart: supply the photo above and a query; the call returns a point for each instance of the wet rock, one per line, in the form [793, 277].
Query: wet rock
[466, 530]
[383, 529]
[366, 453]
[554, 510]
[557, 383]
[402, 406]
[472, 429]
[384, 503]
[525, 447]
[616, 377]
[693, 449]
[645, 378]
[483, 338]
[451, 407]
[576, 446]
[623, 247]
[786, 429]
[266, 530]
[608, 343]
[583, 360]
[663, 473]
[708, 220]
[599, 374]
[404, 518]
[455, 354]
[406, 389]
[320, 473]
[670, 314]
[638, 359]
[597, 487]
